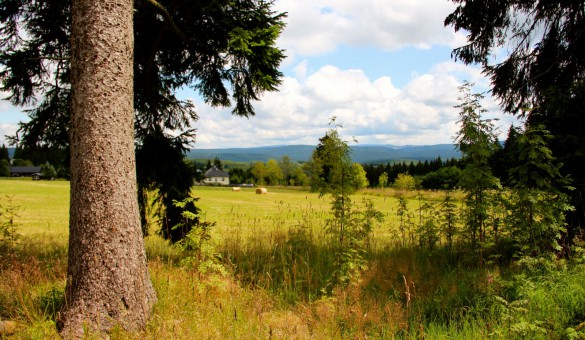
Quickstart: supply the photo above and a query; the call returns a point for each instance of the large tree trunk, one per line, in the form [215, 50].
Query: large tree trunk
[107, 275]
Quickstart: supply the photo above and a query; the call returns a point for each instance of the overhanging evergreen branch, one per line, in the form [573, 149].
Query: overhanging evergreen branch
[169, 19]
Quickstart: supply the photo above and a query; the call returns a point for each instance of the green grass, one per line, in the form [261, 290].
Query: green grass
[275, 276]
[43, 205]
[245, 213]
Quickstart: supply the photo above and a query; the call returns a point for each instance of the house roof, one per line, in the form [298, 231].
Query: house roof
[215, 172]
[25, 169]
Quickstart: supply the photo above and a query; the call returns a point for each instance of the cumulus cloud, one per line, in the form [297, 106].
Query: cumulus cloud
[316, 27]
[372, 110]
[7, 129]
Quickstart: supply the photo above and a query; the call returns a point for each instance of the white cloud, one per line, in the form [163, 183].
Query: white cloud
[372, 110]
[7, 129]
[315, 27]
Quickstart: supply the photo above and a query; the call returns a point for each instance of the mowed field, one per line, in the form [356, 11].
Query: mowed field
[245, 214]
[43, 208]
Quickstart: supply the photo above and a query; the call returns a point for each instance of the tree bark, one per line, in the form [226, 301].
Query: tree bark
[107, 275]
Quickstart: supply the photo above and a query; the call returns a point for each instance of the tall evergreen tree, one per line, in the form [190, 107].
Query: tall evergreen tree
[223, 49]
[107, 277]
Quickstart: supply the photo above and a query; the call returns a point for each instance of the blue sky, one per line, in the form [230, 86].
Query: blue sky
[382, 67]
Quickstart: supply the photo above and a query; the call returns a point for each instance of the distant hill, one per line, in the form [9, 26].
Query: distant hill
[360, 154]
[302, 153]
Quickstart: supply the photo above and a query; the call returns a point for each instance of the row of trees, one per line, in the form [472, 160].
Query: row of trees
[531, 212]
[434, 174]
[287, 172]
[23, 158]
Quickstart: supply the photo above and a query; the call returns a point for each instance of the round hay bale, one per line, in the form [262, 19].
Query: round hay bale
[235, 188]
[261, 191]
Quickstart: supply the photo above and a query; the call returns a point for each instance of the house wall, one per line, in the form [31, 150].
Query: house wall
[217, 180]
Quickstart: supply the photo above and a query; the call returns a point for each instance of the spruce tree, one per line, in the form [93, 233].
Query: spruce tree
[477, 141]
[541, 77]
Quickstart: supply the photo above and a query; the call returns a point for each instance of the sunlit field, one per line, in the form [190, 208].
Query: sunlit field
[247, 215]
[266, 273]
[43, 206]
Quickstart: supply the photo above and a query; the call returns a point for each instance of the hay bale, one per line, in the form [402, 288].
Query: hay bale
[261, 191]
[235, 188]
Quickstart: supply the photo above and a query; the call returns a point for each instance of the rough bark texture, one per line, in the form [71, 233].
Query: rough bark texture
[107, 278]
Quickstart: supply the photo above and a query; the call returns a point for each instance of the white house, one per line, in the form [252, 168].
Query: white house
[215, 176]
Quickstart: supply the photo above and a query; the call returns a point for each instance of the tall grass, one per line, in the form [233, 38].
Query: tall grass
[279, 259]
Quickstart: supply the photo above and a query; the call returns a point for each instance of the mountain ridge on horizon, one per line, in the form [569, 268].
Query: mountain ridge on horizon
[371, 153]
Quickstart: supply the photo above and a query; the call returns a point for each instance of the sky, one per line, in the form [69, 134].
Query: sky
[382, 68]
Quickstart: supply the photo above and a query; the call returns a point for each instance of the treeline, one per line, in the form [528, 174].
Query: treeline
[277, 172]
[273, 172]
[434, 174]
[446, 174]
[53, 162]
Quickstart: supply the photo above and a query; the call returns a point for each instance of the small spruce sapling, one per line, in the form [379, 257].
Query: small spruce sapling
[8, 225]
[477, 140]
[448, 214]
[333, 173]
[538, 207]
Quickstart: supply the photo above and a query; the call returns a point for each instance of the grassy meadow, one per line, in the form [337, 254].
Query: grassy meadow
[268, 262]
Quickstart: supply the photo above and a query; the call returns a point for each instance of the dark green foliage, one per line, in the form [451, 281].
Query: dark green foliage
[4, 153]
[536, 166]
[374, 171]
[547, 51]
[217, 163]
[541, 77]
[48, 171]
[240, 176]
[206, 45]
[331, 165]
[38, 155]
[4, 168]
[21, 162]
[506, 157]
[537, 206]
[444, 178]
[162, 171]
